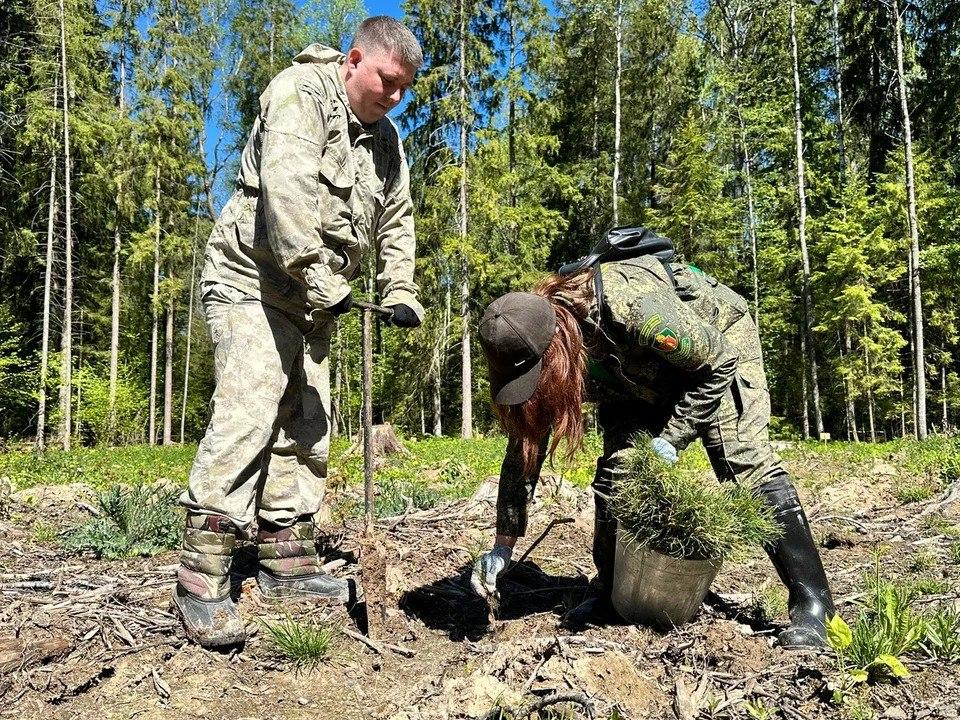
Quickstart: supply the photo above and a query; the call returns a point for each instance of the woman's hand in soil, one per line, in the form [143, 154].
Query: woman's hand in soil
[488, 567]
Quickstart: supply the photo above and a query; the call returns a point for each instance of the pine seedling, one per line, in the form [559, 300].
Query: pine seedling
[306, 644]
[672, 510]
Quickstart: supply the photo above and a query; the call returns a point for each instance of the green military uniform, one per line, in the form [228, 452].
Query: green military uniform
[676, 357]
[317, 190]
[675, 354]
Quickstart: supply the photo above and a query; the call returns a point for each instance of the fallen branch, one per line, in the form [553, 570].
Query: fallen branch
[380, 648]
[554, 699]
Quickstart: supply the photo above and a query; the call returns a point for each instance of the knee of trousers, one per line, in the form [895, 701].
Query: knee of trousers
[609, 471]
[779, 492]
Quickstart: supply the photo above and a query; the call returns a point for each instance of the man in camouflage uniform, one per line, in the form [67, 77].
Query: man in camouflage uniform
[323, 181]
[675, 354]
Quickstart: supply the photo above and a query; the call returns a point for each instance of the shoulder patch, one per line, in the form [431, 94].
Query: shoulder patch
[666, 340]
[660, 336]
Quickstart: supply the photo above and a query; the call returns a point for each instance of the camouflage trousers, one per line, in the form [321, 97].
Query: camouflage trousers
[265, 450]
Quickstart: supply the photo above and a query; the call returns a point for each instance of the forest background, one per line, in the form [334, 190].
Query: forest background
[804, 153]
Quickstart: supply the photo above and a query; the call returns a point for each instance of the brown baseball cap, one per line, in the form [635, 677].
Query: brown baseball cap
[515, 332]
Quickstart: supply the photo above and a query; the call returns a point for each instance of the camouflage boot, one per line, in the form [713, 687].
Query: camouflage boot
[202, 594]
[290, 566]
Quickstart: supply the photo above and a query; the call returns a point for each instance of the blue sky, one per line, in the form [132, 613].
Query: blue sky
[384, 7]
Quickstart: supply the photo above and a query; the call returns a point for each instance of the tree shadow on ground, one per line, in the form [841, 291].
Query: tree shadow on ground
[450, 604]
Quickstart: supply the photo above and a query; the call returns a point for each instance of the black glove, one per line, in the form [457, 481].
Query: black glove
[342, 306]
[403, 316]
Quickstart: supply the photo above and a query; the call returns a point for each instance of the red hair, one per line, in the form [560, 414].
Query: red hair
[557, 403]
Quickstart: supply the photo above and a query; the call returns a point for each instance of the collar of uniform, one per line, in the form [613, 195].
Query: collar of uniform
[332, 60]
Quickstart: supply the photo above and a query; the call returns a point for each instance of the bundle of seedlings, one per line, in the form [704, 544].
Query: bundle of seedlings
[675, 529]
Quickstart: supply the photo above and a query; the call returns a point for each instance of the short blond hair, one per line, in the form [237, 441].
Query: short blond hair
[386, 33]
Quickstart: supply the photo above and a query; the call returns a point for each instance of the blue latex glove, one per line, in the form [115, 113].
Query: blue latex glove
[487, 568]
[666, 451]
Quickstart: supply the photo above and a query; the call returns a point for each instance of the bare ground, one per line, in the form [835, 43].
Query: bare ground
[82, 638]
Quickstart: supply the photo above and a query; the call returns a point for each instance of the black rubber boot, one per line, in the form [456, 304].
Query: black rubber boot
[798, 564]
[202, 593]
[290, 567]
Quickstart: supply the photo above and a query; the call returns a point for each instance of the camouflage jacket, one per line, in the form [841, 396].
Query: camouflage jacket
[317, 189]
[652, 342]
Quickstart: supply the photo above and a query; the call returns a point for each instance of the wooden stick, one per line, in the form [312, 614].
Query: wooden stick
[368, 421]
[540, 537]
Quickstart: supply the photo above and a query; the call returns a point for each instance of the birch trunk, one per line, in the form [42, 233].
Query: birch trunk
[439, 363]
[851, 405]
[423, 413]
[751, 220]
[347, 417]
[802, 227]
[168, 378]
[47, 281]
[437, 409]
[618, 37]
[466, 380]
[152, 423]
[903, 410]
[66, 342]
[866, 360]
[115, 278]
[805, 395]
[943, 388]
[77, 429]
[335, 405]
[512, 109]
[838, 89]
[186, 359]
[920, 381]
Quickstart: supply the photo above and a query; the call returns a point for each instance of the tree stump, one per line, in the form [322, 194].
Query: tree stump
[385, 444]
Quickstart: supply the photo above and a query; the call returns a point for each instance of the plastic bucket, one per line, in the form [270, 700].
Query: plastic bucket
[656, 589]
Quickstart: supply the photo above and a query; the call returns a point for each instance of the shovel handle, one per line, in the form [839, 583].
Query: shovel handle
[379, 309]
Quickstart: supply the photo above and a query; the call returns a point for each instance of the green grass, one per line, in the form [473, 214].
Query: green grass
[937, 457]
[941, 526]
[915, 492]
[99, 467]
[442, 469]
[922, 561]
[769, 604]
[44, 532]
[305, 643]
[942, 637]
[439, 470]
[887, 627]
